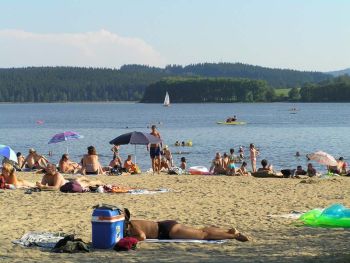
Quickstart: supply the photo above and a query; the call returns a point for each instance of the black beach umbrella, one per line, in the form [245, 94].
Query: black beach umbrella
[135, 138]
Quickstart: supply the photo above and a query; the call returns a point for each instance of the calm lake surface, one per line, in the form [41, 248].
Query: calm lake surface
[272, 127]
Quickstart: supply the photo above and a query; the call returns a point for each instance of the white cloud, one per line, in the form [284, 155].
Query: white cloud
[91, 49]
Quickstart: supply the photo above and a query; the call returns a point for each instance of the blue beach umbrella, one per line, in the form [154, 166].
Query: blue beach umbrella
[7, 152]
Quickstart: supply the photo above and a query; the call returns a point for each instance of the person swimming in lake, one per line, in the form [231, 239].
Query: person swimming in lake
[171, 229]
[90, 163]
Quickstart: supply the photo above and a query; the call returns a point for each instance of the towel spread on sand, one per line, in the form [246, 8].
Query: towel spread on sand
[185, 241]
[292, 215]
[39, 239]
[147, 192]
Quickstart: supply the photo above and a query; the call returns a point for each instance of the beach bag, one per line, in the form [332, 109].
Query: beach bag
[126, 244]
[71, 187]
[2, 182]
[175, 170]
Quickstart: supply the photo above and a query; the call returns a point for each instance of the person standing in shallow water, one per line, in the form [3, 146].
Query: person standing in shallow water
[154, 150]
[253, 154]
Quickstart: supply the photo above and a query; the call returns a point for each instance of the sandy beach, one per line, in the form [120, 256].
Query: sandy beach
[242, 202]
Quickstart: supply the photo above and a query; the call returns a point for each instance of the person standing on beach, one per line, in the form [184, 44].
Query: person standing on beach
[154, 150]
[253, 154]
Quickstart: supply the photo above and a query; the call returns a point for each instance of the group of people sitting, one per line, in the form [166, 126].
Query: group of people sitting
[226, 164]
[89, 164]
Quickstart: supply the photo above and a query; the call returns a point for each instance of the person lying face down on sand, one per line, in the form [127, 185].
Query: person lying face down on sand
[170, 229]
[53, 180]
[35, 160]
[8, 171]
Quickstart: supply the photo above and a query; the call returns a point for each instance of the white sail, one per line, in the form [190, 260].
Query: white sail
[167, 99]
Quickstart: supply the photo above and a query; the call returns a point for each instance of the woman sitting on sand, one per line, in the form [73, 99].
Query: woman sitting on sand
[243, 170]
[170, 229]
[217, 166]
[265, 166]
[67, 166]
[8, 171]
[53, 180]
[90, 163]
[311, 171]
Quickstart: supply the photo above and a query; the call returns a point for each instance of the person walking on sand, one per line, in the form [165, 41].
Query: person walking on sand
[253, 154]
[154, 150]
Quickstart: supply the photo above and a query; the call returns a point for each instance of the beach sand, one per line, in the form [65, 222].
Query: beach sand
[242, 202]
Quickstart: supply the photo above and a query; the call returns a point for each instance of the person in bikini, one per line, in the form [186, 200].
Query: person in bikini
[67, 166]
[35, 160]
[90, 163]
[217, 166]
[171, 229]
[253, 154]
[8, 172]
[53, 180]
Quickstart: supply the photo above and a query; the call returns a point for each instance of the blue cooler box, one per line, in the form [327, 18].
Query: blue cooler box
[107, 227]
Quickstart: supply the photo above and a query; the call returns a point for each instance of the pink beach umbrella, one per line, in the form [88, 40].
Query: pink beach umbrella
[65, 136]
[323, 158]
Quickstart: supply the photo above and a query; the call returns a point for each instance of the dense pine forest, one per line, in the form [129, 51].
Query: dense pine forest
[210, 90]
[52, 84]
[333, 90]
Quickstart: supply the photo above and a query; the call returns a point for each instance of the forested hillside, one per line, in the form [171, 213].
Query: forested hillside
[50, 84]
[334, 90]
[210, 90]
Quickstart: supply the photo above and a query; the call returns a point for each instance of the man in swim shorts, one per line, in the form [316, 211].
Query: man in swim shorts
[171, 229]
[154, 150]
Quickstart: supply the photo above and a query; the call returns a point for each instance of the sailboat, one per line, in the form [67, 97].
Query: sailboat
[166, 100]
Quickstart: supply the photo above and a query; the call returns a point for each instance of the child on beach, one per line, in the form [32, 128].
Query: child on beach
[311, 171]
[243, 170]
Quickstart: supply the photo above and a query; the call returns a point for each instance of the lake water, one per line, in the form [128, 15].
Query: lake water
[274, 130]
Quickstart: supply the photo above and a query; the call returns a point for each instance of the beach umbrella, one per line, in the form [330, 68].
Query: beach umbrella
[65, 136]
[7, 152]
[136, 138]
[323, 158]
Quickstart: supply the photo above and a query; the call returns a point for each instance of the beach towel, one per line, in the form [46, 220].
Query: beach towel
[147, 192]
[292, 215]
[185, 241]
[39, 239]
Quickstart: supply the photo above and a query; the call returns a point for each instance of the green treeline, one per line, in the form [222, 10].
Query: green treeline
[51, 84]
[333, 90]
[209, 90]
[244, 90]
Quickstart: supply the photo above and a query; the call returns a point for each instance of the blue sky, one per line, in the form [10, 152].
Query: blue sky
[296, 34]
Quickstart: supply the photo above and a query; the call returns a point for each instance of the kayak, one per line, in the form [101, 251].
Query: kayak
[231, 123]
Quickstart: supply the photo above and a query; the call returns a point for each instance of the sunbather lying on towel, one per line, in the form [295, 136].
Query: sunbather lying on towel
[53, 180]
[170, 229]
[9, 173]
